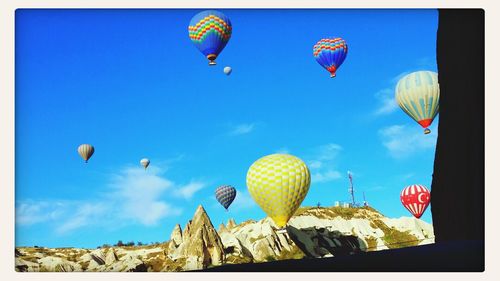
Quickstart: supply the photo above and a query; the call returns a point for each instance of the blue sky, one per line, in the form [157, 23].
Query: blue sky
[131, 83]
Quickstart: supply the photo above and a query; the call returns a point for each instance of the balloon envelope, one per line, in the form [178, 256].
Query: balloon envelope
[330, 53]
[415, 198]
[225, 194]
[86, 151]
[210, 31]
[145, 162]
[227, 70]
[279, 183]
[418, 96]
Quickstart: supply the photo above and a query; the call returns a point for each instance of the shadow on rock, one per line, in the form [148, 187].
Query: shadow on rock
[321, 242]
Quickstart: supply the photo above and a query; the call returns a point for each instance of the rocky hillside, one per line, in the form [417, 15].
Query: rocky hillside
[311, 233]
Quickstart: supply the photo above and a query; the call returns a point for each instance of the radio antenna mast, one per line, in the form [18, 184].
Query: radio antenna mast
[351, 188]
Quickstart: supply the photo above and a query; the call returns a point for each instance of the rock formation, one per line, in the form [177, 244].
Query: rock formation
[201, 245]
[312, 233]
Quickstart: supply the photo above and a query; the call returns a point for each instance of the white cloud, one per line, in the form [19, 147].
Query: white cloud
[322, 162]
[315, 164]
[326, 176]
[242, 129]
[375, 188]
[403, 141]
[133, 196]
[31, 212]
[187, 191]
[386, 100]
[138, 194]
[283, 150]
[398, 77]
[243, 200]
[328, 151]
[86, 214]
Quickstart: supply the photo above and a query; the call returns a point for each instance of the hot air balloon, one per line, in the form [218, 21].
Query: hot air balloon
[415, 198]
[418, 95]
[330, 54]
[225, 194]
[86, 151]
[279, 183]
[145, 163]
[227, 70]
[210, 31]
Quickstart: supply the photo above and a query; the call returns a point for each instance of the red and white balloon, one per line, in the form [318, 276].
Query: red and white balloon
[415, 198]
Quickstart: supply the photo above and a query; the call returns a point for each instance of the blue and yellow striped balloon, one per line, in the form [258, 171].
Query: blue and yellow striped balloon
[330, 54]
[210, 31]
[418, 96]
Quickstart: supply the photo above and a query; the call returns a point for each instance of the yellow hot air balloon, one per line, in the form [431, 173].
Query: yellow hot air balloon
[86, 151]
[418, 95]
[279, 183]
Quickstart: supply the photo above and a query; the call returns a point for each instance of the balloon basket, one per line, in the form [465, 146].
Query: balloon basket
[427, 131]
[212, 63]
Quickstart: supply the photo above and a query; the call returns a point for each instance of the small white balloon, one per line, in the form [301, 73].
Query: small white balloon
[145, 163]
[227, 70]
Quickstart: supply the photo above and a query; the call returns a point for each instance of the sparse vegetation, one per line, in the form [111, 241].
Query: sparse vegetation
[394, 238]
[270, 258]
[253, 239]
[294, 253]
[333, 212]
[238, 259]
[372, 243]
[84, 265]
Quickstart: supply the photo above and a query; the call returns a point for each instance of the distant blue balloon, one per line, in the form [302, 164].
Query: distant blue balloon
[330, 53]
[225, 194]
[210, 31]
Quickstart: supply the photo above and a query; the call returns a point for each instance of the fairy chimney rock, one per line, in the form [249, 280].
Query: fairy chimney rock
[176, 236]
[222, 228]
[201, 244]
[231, 224]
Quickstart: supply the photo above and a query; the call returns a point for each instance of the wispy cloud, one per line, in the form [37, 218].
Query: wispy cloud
[242, 129]
[322, 163]
[328, 151]
[386, 101]
[187, 191]
[403, 141]
[315, 164]
[138, 194]
[283, 150]
[32, 212]
[375, 188]
[132, 196]
[326, 176]
[243, 200]
[86, 213]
